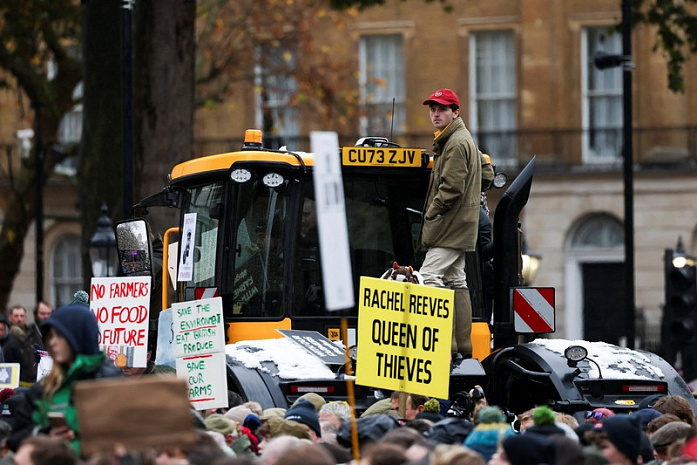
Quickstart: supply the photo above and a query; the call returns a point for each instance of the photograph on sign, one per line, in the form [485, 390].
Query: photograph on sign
[122, 308]
[404, 337]
[206, 378]
[186, 262]
[331, 222]
[198, 327]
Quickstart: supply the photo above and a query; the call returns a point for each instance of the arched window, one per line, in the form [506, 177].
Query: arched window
[598, 231]
[66, 269]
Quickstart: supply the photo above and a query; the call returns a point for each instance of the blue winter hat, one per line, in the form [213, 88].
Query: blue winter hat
[77, 324]
[304, 412]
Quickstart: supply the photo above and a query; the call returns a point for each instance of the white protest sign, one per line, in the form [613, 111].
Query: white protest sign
[206, 379]
[198, 327]
[331, 221]
[122, 308]
[165, 339]
[199, 346]
[186, 262]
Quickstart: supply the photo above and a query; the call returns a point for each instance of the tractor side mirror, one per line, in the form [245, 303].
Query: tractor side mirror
[133, 245]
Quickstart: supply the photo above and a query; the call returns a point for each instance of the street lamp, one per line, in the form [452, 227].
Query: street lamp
[102, 247]
[531, 264]
[603, 61]
[680, 258]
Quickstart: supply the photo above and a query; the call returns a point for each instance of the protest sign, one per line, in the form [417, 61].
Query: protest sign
[9, 375]
[199, 347]
[206, 379]
[186, 260]
[140, 413]
[316, 344]
[404, 337]
[122, 308]
[198, 327]
[165, 338]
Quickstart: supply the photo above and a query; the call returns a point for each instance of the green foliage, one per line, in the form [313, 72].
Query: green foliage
[676, 33]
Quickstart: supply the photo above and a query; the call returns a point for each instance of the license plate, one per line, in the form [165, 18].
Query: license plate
[373, 156]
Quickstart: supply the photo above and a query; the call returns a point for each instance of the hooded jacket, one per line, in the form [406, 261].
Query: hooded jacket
[79, 327]
[451, 210]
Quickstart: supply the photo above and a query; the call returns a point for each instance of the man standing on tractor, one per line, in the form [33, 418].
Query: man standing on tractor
[451, 211]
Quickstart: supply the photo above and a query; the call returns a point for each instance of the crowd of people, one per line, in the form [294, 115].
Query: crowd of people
[39, 424]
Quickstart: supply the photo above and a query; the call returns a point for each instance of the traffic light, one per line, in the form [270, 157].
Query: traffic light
[680, 302]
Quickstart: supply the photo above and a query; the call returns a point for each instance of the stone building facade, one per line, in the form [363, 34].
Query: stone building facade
[524, 72]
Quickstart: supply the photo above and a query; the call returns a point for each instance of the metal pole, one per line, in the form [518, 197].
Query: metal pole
[127, 106]
[628, 172]
[39, 207]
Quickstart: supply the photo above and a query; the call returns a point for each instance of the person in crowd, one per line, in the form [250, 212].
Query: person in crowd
[276, 448]
[45, 450]
[4, 335]
[6, 455]
[72, 340]
[598, 414]
[17, 315]
[415, 405]
[451, 211]
[305, 413]
[336, 413]
[21, 345]
[676, 405]
[619, 438]
[669, 438]
[485, 437]
[658, 422]
[453, 454]
[525, 449]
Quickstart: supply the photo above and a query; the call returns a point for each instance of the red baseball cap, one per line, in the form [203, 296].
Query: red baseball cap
[443, 96]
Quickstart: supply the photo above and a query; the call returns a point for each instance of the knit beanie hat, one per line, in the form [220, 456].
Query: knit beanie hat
[545, 422]
[238, 413]
[304, 412]
[221, 424]
[314, 398]
[529, 449]
[646, 415]
[624, 432]
[486, 436]
[78, 325]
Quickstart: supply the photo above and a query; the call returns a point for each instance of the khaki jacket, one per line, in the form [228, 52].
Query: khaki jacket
[451, 211]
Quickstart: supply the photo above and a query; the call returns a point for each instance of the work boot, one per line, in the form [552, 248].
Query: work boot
[462, 323]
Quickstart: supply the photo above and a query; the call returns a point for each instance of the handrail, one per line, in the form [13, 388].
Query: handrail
[165, 268]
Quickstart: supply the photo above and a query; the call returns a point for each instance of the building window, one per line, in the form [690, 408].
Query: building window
[66, 269]
[602, 98]
[598, 231]
[276, 89]
[493, 89]
[382, 85]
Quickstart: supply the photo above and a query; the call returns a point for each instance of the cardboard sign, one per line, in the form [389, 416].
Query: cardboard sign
[186, 262]
[198, 327]
[141, 413]
[404, 337]
[9, 375]
[331, 222]
[206, 379]
[122, 308]
[316, 344]
[199, 345]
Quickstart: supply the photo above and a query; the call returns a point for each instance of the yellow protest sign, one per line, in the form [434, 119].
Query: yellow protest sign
[404, 336]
